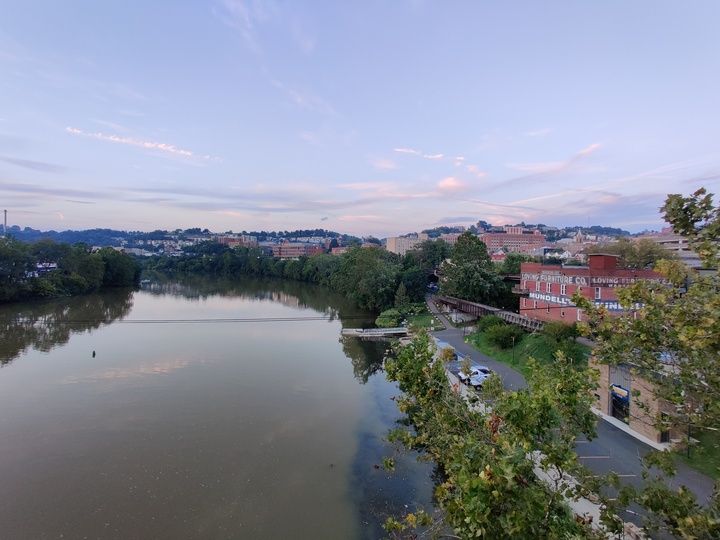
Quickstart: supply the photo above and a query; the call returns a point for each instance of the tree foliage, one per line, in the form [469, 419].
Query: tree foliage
[471, 274]
[642, 253]
[49, 269]
[489, 459]
[670, 336]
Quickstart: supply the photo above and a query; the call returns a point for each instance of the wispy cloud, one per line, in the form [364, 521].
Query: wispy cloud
[407, 151]
[304, 99]
[451, 184]
[384, 164]
[538, 132]
[149, 145]
[40, 166]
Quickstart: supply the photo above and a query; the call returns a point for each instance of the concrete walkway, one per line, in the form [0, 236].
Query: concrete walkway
[613, 449]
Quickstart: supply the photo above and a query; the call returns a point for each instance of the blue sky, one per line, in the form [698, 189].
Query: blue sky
[370, 117]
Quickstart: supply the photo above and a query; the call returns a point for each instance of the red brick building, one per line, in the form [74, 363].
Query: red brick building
[293, 250]
[547, 290]
[514, 240]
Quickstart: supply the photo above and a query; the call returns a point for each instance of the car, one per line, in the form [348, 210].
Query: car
[477, 373]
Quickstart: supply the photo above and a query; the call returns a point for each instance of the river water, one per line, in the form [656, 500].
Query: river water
[114, 424]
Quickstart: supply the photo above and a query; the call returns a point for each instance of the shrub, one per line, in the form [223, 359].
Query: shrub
[489, 321]
[389, 318]
[503, 336]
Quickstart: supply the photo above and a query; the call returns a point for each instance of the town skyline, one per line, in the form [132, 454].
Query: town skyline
[372, 121]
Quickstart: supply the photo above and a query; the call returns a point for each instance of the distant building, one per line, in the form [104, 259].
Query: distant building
[293, 250]
[339, 250]
[546, 290]
[676, 244]
[234, 240]
[514, 240]
[450, 238]
[402, 244]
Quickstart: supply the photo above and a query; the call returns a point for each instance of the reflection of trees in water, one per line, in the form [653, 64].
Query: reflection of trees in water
[44, 325]
[366, 356]
[291, 293]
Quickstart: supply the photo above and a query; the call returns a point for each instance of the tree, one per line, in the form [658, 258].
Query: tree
[512, 262]
[642, 253]
[670, 336]
[488, 458]
[402, 300]
[471, 274]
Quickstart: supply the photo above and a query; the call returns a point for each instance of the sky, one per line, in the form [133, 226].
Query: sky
[368, 117]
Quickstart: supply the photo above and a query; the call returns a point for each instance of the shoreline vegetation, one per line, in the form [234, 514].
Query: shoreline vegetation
[47, 269]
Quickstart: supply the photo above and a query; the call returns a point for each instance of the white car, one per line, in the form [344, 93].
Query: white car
[476, 377]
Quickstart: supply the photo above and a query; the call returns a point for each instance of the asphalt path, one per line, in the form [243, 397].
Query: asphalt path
[613, 450]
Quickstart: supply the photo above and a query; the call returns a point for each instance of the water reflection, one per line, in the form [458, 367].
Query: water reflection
[45, 325]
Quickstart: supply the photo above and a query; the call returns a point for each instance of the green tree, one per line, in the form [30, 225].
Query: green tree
[670, 336]
[642, 253]
[471, 274]
[490, 459]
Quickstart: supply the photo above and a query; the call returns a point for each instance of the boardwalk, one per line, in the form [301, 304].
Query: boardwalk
[375, 333]
[480, 310]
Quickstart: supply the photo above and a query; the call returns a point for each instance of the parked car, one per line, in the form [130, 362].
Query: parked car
[477, 375]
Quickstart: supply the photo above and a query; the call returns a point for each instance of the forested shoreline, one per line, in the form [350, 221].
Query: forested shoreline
[47, 269]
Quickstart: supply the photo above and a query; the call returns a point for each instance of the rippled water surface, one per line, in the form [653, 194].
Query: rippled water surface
[196, 429]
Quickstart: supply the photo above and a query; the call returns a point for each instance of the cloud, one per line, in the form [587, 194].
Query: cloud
[408, 151]
[456, 219]
[384, 164]
[34, 165]
[538, 132]
[451, 184]
[360, 218]
[538, 168]
[304, 98]
[474, 169]
[35, 190]
[149, 145]
[433, 156]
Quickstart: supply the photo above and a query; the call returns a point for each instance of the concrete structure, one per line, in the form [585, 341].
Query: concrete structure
[513, 239]
[402, 244]
[630, 398]
[450, 238]
[293, 250]
[676, 244]
[546, 290]
[234, 240]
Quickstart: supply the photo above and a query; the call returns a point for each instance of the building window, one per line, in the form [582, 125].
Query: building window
[578, 312]
[563, 289]
[562, 312]
[598, 293]
[537, 286]
[534, 304]
[547, 308]
[523, 285]
[548, 287]
[579, 290]
[523, 302]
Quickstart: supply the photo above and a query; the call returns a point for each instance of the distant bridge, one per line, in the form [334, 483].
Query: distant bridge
[481, 310]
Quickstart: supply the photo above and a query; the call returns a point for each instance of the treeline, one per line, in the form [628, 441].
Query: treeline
[371, 277]
[48, 269]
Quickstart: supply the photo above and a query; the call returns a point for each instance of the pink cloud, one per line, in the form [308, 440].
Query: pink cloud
[451, 183]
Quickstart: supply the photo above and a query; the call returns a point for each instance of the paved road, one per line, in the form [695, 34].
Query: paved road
[612, 450]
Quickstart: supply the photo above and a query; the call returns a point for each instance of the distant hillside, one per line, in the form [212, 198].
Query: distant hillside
[113, 237]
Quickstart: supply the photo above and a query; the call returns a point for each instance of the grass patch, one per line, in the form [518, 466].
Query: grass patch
[704, 456]
[425, 320]
[530, 345]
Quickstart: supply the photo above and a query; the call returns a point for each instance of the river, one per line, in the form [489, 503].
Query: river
[119, 421]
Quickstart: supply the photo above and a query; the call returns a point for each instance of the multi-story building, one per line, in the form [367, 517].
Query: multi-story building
[513, 239]
[234, 240]
[293, 250]
[676, 244]
[402, 244]
[450, 238]
[547, 290]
